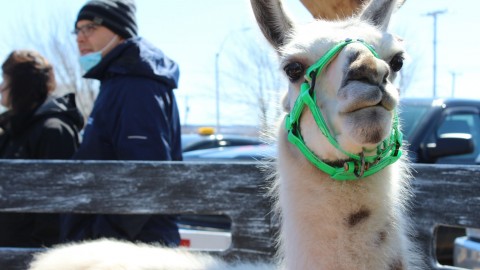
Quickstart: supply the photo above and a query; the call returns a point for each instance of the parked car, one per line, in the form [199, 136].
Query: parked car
[467, 250]
[443, 131]
[233, 153]
[207, 138]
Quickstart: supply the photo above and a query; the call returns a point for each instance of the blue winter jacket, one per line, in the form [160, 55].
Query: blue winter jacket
[135, 117]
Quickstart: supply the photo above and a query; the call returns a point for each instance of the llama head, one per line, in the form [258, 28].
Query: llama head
[353, 93]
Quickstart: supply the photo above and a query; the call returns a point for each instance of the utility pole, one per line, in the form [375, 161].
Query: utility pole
[434, 14]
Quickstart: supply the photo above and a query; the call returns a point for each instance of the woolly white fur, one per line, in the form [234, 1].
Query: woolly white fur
[109, 254]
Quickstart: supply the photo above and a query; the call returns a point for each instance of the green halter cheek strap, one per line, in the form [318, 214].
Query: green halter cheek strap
[360, 166]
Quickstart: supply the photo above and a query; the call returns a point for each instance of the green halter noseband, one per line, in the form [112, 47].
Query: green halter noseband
[359, 165]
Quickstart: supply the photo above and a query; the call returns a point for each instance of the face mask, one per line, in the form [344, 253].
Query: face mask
[90, 60]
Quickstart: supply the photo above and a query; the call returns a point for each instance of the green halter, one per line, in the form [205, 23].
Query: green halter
[359, 165]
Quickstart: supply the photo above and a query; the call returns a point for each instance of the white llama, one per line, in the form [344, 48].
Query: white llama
[339, 190]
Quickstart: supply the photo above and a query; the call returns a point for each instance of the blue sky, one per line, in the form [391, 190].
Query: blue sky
[192, 32]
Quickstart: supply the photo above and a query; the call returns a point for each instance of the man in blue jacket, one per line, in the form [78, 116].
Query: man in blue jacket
[135, 115]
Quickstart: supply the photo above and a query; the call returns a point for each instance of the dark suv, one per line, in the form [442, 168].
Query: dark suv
[443, 131]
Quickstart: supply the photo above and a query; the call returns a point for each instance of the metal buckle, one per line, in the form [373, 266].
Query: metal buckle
[360, 171]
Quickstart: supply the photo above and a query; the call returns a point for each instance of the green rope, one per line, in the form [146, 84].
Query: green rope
[387, 152]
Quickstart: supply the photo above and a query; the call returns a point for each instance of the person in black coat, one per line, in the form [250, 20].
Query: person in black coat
[135, 116]
[36, 125]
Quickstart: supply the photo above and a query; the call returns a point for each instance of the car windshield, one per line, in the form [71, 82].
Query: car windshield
[411, 114]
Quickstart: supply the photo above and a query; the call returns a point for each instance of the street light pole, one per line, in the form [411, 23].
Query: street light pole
[454, 76]
[217, 75]
[217, 92]
[434, 14]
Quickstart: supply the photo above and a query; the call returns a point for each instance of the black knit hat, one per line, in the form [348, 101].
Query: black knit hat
[116, 15]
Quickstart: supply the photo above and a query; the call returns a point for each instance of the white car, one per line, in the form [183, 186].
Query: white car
[467, 250]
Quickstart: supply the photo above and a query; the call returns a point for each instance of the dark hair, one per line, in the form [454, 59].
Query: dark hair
[30, 79]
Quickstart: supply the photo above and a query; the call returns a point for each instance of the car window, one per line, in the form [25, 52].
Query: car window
[410, 116]
[461, 123]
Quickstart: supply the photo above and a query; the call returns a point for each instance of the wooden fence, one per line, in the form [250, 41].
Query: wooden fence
[444, 195]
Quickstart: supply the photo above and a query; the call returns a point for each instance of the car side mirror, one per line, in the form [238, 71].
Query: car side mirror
[450, 144]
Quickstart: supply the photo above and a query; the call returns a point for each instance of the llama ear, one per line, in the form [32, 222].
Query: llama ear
[273, 21]
[378, 12]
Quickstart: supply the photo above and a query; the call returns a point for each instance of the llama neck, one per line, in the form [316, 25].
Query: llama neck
[328, 224]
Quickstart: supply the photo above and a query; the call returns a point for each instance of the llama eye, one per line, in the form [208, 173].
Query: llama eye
[396, 63]
[294, 71]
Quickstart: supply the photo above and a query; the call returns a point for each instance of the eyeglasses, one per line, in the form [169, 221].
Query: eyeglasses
[87, 29]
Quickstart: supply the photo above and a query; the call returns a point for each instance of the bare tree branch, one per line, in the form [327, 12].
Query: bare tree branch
[54, 40]
[253, 69]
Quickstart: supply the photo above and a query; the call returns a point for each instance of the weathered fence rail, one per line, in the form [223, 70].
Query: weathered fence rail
[446, 195]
